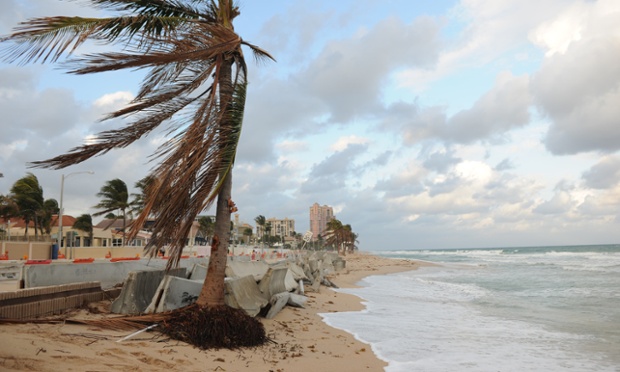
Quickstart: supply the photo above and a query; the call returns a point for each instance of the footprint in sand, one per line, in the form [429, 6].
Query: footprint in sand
[152, 361]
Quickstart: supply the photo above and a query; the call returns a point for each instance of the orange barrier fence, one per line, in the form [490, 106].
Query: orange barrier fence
[83, 260]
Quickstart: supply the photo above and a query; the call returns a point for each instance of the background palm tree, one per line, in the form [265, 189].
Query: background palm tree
[28, 196]
[261, 221]
[50, 208]
[206, 227]
[8, 209]
[248, 232]
[268, 233]
[196, 83]
[114, 197]
[340, 236]
[85, 223]
[137, 203]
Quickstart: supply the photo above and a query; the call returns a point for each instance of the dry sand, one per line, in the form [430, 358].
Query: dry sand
[302, 341]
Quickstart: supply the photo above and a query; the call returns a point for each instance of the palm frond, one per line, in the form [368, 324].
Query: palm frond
[196, 163]
[48, 38]
[123, 323]
[260, 55]
[156, 8]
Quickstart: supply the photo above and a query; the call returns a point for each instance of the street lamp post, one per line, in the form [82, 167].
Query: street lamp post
[62, 187]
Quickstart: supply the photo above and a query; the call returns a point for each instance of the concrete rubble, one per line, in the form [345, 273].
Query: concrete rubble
[257, 287]
[260, 288]
[139, 288]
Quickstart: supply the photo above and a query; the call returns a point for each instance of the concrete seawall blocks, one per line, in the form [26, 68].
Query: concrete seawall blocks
[277, 303]
[243, 293]
[139, 289]
[174, 293]
[199, 272]
[239, 269]
[277, 281]
[254, 286]
[108, 273]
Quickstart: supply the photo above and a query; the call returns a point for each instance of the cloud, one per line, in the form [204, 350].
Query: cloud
[348, 75]
[408, 181]
[344, 142]
[501, 109]
[441, 161]
[603, 175]
[505, 164]
[25, 109]
[578, 85]
[331, 174]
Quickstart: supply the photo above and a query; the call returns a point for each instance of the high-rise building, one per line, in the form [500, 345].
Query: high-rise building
[319, 217]
[283, 228]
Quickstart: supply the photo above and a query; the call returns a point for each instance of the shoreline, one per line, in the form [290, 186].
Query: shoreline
[301, 339]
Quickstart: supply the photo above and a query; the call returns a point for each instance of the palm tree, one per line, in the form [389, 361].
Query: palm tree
[206, 227]
[268, 233]
[248, 232]
[340, 236]
[28, 196]
[8, 208]
[261, 221]
[137, 204]
[114, 197]
[50, 208]
[196, 83]
[85, 223]
[349, 239]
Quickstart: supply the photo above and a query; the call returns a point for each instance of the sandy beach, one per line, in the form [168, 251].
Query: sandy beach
[302, 341]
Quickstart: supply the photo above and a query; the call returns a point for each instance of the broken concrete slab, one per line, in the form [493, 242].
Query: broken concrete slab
[243, 293]
[239, 269]
[277, 303]
[199, 272]
[296, 300]
[315, 286]
[297, 272]
[139, 289]
[339, 264]
[174, 293]
[276, 281]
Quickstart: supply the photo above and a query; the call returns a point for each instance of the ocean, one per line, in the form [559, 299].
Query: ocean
[503, 309]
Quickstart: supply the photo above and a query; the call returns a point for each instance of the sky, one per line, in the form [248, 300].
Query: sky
[424, 124]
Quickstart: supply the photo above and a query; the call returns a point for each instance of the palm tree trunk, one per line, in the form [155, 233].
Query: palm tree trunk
[124, 226]
[36, 231]
[212, 293]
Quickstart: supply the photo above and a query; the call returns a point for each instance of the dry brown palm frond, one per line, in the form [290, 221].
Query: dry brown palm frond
[122, 323]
